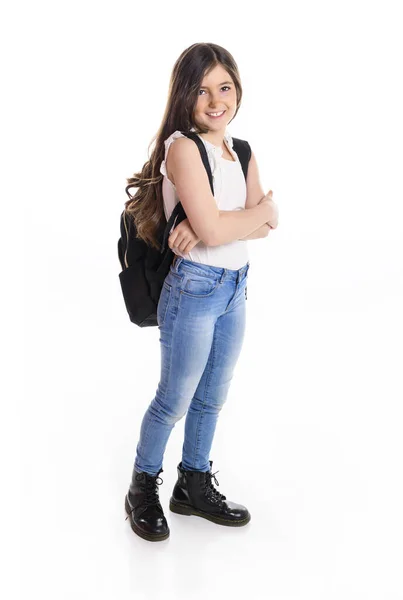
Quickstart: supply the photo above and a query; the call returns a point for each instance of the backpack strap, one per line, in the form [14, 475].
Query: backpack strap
[244, 151]
[202, 149]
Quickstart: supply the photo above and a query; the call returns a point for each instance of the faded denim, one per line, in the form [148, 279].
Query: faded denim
[201, 320]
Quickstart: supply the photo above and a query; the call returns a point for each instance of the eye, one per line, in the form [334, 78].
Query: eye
[224, 86]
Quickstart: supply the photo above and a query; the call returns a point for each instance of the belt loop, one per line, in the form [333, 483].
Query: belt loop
[223, 275]
[175, 262]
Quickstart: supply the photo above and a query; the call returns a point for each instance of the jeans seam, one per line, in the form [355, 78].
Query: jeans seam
[196, 454]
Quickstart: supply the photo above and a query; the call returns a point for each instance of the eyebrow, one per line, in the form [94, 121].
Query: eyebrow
[223, 83]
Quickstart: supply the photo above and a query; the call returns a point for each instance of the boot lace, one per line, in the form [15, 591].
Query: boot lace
[151, 491]
[213, 494]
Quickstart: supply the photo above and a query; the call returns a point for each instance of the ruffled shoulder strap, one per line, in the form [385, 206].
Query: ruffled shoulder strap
[229, 139]
[176, 134]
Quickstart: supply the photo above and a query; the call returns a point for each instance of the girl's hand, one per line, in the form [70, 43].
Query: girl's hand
[273, 221]
[183, 238]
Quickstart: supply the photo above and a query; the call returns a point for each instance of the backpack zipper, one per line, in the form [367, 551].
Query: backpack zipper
[127, 239]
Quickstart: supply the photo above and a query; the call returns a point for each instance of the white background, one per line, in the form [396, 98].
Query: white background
[310, 437]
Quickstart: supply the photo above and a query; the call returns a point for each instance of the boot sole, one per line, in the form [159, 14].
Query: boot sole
[183, 509]
[147, 536]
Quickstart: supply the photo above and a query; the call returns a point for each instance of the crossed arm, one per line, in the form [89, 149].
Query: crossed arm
[186, 228]
[261, 232]
[255, 195]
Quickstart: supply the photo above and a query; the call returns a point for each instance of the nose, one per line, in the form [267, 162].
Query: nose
[213, 100]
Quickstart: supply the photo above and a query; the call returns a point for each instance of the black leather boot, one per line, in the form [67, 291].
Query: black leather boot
[143, 506]
[194, 494]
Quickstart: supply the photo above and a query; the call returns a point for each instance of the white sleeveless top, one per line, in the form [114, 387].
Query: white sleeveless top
[229, 193]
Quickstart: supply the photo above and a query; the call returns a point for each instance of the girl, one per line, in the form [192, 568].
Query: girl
[201, 310]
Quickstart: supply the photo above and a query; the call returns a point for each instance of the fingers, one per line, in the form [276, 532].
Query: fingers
[182, 243]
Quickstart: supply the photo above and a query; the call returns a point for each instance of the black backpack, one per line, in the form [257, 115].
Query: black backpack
[144, 268]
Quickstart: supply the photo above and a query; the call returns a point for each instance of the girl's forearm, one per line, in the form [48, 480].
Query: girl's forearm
[235, 223]
[261, 232]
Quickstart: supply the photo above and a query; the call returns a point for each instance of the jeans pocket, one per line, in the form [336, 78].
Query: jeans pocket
[163, 303]
[198, 286]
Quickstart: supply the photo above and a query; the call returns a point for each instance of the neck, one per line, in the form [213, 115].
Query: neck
[215, 137]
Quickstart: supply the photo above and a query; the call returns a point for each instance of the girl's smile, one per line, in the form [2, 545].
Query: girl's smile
[216, 115]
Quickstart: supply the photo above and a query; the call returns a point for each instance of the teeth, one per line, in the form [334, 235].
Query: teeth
[216, 114]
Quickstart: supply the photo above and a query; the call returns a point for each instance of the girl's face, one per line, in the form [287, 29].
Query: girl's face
[216, 94]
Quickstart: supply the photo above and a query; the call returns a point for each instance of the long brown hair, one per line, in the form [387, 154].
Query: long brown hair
[146, 206]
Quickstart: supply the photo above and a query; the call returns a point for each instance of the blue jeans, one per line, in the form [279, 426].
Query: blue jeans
[201, 319]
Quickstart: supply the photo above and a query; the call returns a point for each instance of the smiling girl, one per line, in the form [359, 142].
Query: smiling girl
[201, 310]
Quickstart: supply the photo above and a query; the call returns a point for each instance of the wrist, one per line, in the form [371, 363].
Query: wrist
[266, 210]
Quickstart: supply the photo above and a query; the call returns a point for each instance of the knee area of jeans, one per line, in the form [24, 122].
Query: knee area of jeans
[167, 416]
